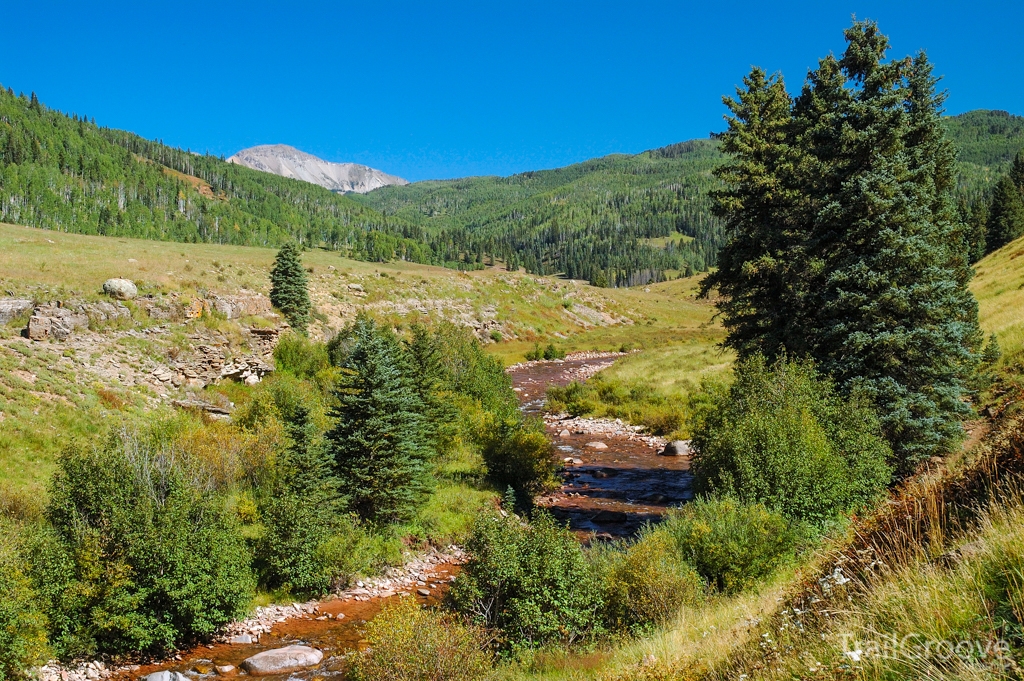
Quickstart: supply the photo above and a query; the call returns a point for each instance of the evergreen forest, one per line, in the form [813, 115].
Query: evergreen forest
[619, 220]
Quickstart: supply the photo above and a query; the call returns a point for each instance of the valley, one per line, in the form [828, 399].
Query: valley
[739, 407]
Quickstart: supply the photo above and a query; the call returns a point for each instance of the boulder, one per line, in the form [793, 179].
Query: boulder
[12, 307]
[676, 448]
[166, 676]
[281, 661]
[50, 321]
[597, 445]
[240, 640]
[122, 289]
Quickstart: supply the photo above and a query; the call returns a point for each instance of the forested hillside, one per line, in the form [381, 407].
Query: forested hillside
[987, 141]
[65, 173]
[619, 220]
[589, 221]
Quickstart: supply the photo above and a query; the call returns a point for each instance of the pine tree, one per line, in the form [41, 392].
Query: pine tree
[301, 511]
[846, 245]
[757, 267]
[1006, 214]
[379, 443]
[289, 287]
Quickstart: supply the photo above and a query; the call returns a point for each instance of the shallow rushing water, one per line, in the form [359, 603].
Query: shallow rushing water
[614, 491]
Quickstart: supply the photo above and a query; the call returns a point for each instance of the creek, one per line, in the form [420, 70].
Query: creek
[605, 493]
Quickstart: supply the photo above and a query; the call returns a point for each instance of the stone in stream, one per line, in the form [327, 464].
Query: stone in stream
[166, 676]
[240, 639]
[597, 445]
[225, 669]
[676, 448]
[564, 433]
[281, 660]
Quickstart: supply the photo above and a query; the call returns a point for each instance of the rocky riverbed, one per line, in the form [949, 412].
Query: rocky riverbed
[615, 476]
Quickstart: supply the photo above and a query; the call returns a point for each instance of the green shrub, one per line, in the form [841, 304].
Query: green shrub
[783, 437]
[648, 582]
[574, 399]
[535, 354]
[143, 554]
[531, 581]
[518, 455]
[410, 643]
[551, 352]
[22, 624]
[297, 355]
[732, 545]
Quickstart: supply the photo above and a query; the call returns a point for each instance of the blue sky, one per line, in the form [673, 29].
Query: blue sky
[434, 90]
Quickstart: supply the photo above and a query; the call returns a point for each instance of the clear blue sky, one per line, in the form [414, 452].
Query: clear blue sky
[446, 89]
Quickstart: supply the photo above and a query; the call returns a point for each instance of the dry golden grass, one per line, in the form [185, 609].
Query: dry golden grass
[999, 288]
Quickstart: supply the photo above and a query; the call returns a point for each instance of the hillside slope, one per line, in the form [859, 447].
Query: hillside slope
[286, 161]
[581, 220]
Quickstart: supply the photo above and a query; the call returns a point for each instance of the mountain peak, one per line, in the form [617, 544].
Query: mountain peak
[287, 161]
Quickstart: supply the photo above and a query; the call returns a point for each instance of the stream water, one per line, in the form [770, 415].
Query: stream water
[609, 493]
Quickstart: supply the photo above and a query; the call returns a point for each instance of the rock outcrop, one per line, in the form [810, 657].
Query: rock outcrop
[12, 307]
[286, 161]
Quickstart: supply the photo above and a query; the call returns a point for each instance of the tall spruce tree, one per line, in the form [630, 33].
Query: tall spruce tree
[289, 287]
[759, 268]
[379, 444]
[877, 294]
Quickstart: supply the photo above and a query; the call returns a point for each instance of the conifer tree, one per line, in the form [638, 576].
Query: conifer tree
[289, 287]
[301, 511]
[379, 444]
[757, 267]
[1006, 214]
[857, 203]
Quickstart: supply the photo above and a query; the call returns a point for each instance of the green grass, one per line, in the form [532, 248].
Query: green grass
[999, 288]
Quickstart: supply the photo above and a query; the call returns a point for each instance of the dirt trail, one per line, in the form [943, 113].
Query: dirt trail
[610, 492]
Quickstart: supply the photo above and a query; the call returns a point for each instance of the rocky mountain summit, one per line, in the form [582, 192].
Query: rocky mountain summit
[286, 161]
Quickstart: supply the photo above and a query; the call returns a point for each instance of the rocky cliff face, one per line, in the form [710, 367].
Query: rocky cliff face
[286, 161]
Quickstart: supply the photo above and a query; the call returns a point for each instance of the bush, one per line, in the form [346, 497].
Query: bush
[301, 357]
[410, 643]
[22, 624]
[143, 555]
[531, 581]
[518, 455]
[731, 544]
[551, 352]
[648, 583]
[782, 437]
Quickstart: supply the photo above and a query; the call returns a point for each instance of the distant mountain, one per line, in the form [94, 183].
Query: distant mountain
[286, 161]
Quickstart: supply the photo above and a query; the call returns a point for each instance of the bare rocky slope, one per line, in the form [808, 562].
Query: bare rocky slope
[286, 161]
